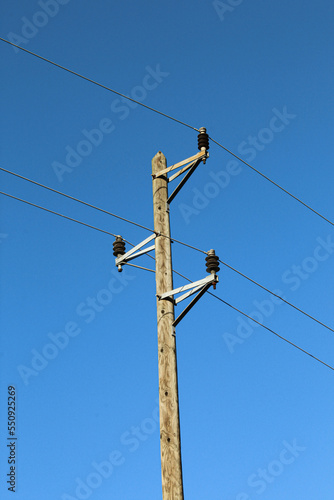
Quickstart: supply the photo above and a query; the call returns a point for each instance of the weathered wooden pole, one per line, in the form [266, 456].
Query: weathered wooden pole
[170, 444]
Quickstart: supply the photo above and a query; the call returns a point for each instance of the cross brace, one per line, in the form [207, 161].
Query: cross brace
[191, 169]
[201, 285]
[191, 304]
[190, 163]
[132, 254]
[199, 156]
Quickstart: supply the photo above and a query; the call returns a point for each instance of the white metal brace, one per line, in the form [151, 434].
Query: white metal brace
[196, 285]
[132, 254]
[188, 165]
[191, 160]
[200, 286]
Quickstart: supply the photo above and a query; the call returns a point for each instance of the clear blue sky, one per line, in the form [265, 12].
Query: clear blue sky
[256, 413]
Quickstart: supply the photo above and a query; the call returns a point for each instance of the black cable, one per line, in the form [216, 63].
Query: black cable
[172, 239]
[246, 315]
[97, 208]
[275, 295]
[273, 182]
[257, 284]
[185, 244]
[269, 329]
[96, 83]
[75, 199]
[171, 118]
[56, 213]
[272, 331]
[112, 234]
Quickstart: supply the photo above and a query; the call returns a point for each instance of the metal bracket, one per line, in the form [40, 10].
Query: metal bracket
[191, 305]
[189, 164]
[200, 155]
[201, 285]
[132, 254]
[192, 167]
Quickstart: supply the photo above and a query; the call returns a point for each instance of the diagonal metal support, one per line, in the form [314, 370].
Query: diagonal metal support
[201, 285]
[182, 170]
[201, 155]
[188, 165]
[184, 180]
[188, 294]
[208, 279]
[191, 305]
[132, 254]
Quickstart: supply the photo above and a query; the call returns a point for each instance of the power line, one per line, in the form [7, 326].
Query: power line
[75, 199]
[56, 213]
[96, 208]
[89, 205]
[152, 231]
[186, 245]
[272, 182]
[257, 284]
[311, 317]
[97, 83]
[226, 303]
[269, 329]
[275, 295]
[171, 118]
[272, 331]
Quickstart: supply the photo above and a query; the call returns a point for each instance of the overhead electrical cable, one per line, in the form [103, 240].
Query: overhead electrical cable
[152, 231]
[260, 324]
[249, 317]
[97, 83]
[270, 180]
[56, 213]
[261, 286]
[75, 199]
[95, 207]
[171, 118]
[276, 295]
[226, 303]
[272, 331]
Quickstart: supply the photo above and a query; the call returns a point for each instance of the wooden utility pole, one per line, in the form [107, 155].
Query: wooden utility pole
[170, 443]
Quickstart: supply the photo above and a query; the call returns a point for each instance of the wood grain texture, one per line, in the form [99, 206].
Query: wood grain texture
[170, 446]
